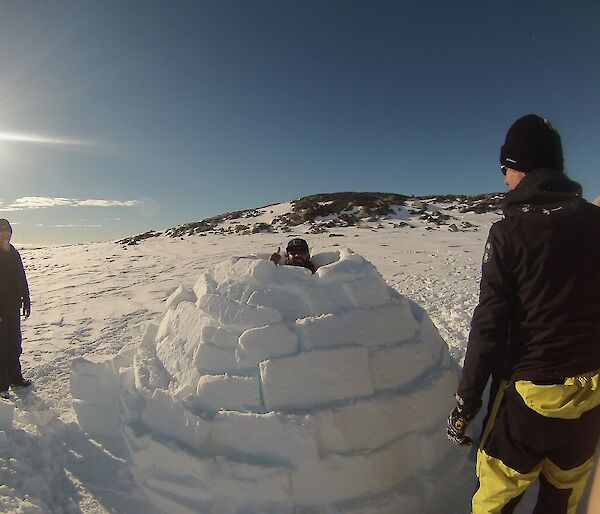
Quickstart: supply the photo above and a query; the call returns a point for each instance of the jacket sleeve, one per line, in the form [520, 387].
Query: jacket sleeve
[488, 337]
[23, 279]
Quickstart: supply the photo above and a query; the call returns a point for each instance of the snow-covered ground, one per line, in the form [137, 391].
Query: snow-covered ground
[89, 301]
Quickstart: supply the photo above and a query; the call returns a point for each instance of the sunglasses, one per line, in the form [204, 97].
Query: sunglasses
[503, 169]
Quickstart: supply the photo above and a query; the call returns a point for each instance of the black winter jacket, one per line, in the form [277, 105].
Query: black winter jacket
[13, 283]
[538, 316]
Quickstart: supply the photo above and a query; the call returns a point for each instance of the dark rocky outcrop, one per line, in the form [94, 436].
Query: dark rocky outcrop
[140, 237]
[325, 211]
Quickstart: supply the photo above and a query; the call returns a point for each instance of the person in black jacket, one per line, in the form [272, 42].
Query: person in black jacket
[14, 296]
[536, 333]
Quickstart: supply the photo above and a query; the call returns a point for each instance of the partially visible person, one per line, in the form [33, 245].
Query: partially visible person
[14, 297]
[298, 254]
[536, 333]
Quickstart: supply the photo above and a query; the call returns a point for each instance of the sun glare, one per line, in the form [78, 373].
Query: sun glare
[16, 137]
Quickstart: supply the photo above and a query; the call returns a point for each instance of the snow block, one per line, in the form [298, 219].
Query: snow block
[228, 312]
[413, 358]
[186, 478]
[244, 269]
[384, 471]
[174, 495]
[367, 292]
[124, 357]
[291, 305]
[149, 372]
[213, 359]
[149, 337]
[94, 418]
[440, 482]
[365, 327]
[432, 399]
[280, 439]
[166, 416]
[349, 267]
[187, 322]
[433, 447]
[259, 344]
[161, 459]
[326, 299]
[289, 277]
[220, 336]
[227, 392]
[251, 483]
[181, 294]
[340, 478]
[132, 403]
[428, 332]
[316, 378]
[178, 338]
[165, 329]
[324, 258]
[176, 363]
[372, 423]
[94, 382]
[204, 285]
[7, 411]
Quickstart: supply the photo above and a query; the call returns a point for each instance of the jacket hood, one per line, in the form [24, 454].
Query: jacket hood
[547, 197]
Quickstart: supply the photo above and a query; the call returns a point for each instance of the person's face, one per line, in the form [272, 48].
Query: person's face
[512, 178]
[5, 235]
[298, 258]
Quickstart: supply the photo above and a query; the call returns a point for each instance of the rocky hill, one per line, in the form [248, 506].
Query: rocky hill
[325, 211]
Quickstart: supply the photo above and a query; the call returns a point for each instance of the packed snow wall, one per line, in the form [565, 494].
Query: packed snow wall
[269, 389]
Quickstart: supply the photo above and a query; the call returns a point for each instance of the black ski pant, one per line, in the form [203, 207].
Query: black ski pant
[10, 347]
[545, 433]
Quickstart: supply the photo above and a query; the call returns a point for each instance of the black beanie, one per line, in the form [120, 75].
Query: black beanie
[532, 143]
[297, 245]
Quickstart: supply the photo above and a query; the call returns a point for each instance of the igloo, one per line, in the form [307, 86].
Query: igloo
[267, 389]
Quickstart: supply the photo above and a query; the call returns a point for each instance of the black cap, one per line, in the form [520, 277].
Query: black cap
[297, 245]
[531, 143]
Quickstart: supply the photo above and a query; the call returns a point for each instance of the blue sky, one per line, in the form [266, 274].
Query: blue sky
[117, 117]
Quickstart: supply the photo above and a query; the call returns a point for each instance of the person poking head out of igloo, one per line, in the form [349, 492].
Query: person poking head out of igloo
[298, 254]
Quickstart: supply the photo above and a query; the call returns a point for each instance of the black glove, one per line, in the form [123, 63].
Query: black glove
[456, 426]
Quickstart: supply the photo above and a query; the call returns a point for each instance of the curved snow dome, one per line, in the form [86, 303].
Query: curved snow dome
[269, 389]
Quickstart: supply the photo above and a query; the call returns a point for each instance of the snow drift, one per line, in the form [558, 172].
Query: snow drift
[268, 389]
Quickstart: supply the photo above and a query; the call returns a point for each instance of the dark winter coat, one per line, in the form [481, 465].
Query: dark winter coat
[538, 316]
[14, 290]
